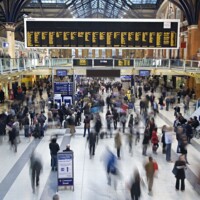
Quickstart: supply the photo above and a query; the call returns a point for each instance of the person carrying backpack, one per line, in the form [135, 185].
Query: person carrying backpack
[41, 119]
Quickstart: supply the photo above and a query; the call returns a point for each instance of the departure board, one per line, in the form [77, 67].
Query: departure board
[101, 33]
[88, 39]
[82, 62]
[59, 39]
[95, 39]
[45, 38]
[124, 63]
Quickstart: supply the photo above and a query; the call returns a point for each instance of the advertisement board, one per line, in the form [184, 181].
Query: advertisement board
[65, 168]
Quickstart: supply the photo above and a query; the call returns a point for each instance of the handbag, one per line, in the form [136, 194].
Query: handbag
[174, 170]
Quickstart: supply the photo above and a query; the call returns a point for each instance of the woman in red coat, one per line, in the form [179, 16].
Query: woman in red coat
[154, 140]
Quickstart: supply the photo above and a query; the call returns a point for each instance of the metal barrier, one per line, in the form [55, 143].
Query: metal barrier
[13, 65]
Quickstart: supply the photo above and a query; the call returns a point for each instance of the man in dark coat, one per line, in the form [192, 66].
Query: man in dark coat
[189, 131]
[92, 141]
[2, 96]
[98, 126]
[54, 148]
[35, 169]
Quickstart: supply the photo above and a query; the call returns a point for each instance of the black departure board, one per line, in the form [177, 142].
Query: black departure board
[103, 62]
[103, 73]
[82, 62]
[124, 63]
[101, 33]
[59, 39]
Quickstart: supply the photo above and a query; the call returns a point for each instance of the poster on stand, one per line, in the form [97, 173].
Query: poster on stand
[65, 169]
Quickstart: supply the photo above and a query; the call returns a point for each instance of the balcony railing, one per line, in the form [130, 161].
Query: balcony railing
[13, 65]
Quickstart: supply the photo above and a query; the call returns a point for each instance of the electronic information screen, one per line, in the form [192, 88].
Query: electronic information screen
[101, 33]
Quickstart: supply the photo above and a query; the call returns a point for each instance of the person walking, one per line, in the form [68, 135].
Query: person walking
[118, 143]
[130, 124]
[135, 189]
[56, 197]
[111, 167]
[163, 139]
[71, 124]
[130, 143]
[35, 170]
[54, 148]
[86, 125]
[183, 147]
[109, 119]
[92, 142]
[145, 142]
[26, 124]
[180, 166]
[168, 141]
[97, 127]
[42, 104]
[154, 141]
[123, 122]
[189, 131]
[115, 118]
[13, 138]
[150, 170]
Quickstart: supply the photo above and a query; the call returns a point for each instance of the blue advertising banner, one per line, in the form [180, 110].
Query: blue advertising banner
[65, 169]
[65, 88]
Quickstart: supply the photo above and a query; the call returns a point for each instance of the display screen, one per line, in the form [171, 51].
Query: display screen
[102, 73]
[82, 62]
[126, 77]
[144, 73]
[61, 72]
[124, 63]
[64, 88]
[98, 33]
[103, 62]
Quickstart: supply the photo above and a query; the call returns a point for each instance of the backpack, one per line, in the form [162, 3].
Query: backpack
[42, 119]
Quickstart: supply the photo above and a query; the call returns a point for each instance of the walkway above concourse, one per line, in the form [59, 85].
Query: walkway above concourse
[184, 67]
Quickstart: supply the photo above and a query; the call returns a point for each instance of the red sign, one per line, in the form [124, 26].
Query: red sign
[183, 45]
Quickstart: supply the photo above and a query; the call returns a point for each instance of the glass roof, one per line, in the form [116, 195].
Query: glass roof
[102, 8]
[143, 1]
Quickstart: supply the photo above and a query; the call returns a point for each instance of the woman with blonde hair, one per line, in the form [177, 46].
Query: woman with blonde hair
[179, 172]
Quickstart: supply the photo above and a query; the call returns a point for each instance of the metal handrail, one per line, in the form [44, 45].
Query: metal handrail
[20, 64]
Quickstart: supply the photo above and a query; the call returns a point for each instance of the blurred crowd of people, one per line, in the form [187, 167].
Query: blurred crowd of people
[106, 109]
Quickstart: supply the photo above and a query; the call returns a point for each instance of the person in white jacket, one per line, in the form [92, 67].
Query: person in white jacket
[168, 141]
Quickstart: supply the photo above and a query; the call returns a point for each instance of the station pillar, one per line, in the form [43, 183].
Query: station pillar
[193, 41]
[10, 31]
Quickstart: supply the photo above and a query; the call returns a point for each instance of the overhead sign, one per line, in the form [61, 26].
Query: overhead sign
[102, 73]
[82, 62]
[64, 88]
[103, 62]
[98, 33]
[124, 63]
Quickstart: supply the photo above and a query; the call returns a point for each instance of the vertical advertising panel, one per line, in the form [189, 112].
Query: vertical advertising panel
[65, 168]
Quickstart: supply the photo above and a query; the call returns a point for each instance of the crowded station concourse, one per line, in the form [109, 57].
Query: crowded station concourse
[99, 99]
